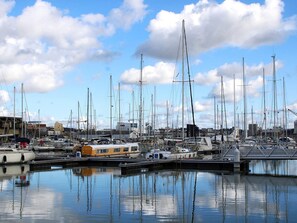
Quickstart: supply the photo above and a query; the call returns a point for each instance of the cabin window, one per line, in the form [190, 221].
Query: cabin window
[126, 149]
[134, 148]
[101, 151]
[116, 150]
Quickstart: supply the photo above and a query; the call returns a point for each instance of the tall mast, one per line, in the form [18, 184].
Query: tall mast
[183, 80]
[152, 102]
[133, 108]
[274, 99]
[285, 107]
[14, 112]
[39, 123]
[95, 122]
[154, 121]
[129, 114]
[22, 93]
[143, 115]
[190, 85]
[120, 109]
[252, 111]
[167, 115]
[78, 119]
[234, 106]
[71, 125]
[264, 99]
[225, 110]
[110, 105]
[222, 110]
[88, 94]
[244, 102]
[25, 127]
[91, 114]
[215, 117]
[140, 100]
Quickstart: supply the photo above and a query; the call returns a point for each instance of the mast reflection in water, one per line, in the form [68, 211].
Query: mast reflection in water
[103, 195]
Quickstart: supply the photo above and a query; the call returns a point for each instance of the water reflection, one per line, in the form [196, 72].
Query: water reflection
[274, 167]
[92, 194]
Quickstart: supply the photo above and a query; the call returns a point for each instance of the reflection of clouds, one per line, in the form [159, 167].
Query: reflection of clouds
[3, 184]
[226, 194]
[31, 202]
[61, 196]
[274, 167]
[46, 200]
[35, 204]
[249, 195]
[162, 205]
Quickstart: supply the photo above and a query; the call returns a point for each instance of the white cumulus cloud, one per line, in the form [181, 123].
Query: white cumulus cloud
[211, 25]
[130, 12]
[43, 42]
[160, 73]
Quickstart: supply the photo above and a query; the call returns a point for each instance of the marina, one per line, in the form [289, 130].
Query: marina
[142, 111]
[221, 184]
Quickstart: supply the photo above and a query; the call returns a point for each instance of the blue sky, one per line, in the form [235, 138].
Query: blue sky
[59, 49]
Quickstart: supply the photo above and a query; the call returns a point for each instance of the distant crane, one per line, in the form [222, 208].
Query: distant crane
[295, 113]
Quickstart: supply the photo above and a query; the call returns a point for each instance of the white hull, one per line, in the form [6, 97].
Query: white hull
[159, 154]
[134, 155]
[11, 156]
[182, 155]
[68, 148]
[44, 148]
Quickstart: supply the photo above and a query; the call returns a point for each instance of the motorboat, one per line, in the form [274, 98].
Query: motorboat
[176, 153]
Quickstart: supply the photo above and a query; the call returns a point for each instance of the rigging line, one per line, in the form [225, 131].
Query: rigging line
[174, 76]
[176, 59]
[26, 105]
[79, 118]
[225, 111]
[115, 103]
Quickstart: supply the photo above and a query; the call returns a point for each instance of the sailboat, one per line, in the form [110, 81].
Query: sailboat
[16, 153]
[185, 147]
[199, 143]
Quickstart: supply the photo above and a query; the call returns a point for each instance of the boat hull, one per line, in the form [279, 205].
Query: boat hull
[112, 150]
[14, 157]
[158, 154]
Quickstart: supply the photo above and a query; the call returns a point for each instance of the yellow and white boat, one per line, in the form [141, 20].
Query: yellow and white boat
[111, 150]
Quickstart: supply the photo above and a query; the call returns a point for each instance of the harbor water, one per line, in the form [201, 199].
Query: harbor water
[99, 194]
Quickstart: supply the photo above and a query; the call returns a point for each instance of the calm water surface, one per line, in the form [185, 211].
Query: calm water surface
[102, 195]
